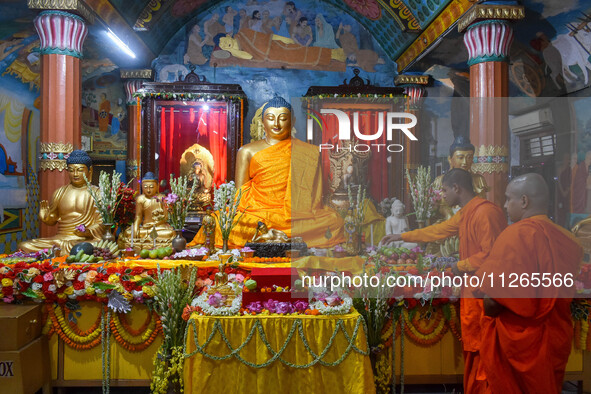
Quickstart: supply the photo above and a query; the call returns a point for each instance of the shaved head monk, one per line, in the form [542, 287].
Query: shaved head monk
[527, 329]
[478, 223]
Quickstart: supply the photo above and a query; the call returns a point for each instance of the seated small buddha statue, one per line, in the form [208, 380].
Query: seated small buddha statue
[70, 206]
[397, 223]
[197, 163]
[150, 216]
[461, 155]
[281, 183]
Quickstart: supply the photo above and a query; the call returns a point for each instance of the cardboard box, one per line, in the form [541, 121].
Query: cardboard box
[25, 371]
[19, 325]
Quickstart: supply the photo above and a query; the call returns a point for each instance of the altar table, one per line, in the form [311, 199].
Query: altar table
[264, 353]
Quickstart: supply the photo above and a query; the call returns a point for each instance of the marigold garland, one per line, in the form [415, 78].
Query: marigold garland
[267, 260]
[66, 334]
[128, 341]
[75, 327]
[454, 323]
[419, 335]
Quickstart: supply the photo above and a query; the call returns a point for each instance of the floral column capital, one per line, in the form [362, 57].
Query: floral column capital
[414, 88]
[61, 33]
[132, 86]
[489, 35]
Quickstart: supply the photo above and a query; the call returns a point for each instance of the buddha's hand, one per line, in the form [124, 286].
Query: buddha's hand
[44, 210]
[390, 238]
[82, 231]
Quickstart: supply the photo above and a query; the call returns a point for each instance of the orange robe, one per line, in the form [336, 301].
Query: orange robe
[478, 224]
[284, 192]
[526, 347]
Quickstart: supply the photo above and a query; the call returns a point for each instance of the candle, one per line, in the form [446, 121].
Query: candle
[371, 234]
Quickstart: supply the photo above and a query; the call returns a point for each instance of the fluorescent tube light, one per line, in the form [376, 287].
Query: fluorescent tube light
[120, 43]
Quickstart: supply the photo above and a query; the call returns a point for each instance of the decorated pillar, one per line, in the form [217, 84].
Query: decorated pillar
[61, 36]
[488, 37]
[415, 89]
[134, 80]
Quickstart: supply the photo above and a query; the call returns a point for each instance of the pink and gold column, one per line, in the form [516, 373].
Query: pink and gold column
[61, 36]
[415, 90]
[133, 82]
[488, 37]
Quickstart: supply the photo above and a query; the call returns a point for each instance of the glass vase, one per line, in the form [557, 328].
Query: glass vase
[179, 243]
[108, 233]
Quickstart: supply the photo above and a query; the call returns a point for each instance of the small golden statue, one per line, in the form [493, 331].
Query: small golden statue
[267, 235]
[150, 227]
[208, 224]
[71, 208]
[197, 163]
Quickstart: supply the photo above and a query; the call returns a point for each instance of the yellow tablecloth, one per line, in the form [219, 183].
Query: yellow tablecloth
[335, 358]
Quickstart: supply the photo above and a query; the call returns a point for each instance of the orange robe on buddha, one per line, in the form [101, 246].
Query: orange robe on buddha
[526, 347]
[478, 224]
[285, 193]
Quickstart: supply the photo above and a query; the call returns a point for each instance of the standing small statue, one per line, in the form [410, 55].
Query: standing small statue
[208, 224]
[350, 228]
[150, 219]
[71, 206]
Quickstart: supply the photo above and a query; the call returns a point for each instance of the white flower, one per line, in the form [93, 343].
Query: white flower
[80, 293]
[36, 286]
[137, 293]
[52, 288]
[82, 277]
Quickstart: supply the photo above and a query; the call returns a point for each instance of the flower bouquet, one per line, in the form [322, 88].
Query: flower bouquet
[172, 294]
[424, 197]
[226, 200]
[125, 211]
[179, 199]
[105, 197]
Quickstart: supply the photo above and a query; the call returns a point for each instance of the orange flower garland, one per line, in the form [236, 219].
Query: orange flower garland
[454, 323]
[66, 334]
[130, 343]
[425, 332]
[77, 330]
[267, 260]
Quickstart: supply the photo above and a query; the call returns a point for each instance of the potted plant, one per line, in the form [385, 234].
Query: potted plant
[177, 204]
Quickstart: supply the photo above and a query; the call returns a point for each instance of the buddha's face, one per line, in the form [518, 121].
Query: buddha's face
[397, 210]
[77, 173]
[462, 159]
[150, 188]
[277, 123]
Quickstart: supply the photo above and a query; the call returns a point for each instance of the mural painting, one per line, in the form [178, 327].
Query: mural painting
[104, 115]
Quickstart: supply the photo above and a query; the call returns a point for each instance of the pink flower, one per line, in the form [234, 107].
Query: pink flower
[270, 305]
[171, 198]
[301, 306]
[255, 307]
[284, 307]
[48, 277]
[81, 228]
[216, 300]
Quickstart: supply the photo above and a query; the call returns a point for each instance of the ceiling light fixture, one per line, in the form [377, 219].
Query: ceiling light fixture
[120, 43]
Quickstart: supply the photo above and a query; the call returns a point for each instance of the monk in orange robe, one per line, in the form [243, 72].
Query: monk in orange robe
[281, 183]
[477, 223]
[527, 329]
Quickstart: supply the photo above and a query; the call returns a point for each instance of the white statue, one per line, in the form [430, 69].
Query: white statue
[397, 223]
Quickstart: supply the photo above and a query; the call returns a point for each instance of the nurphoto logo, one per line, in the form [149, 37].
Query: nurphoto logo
[393, 121]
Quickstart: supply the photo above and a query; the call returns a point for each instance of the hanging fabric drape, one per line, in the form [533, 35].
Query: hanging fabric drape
[181, 127]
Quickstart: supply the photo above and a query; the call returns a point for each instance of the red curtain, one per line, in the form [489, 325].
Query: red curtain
[181, 127]
[378, 164]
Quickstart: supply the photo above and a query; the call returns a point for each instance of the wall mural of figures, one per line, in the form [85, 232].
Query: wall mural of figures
[272, 47]
[104, 116]
[19, 136]
[552, 56]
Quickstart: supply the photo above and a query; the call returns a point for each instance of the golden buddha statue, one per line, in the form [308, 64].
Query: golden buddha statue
[197, 163]
[281, 186]
[150, 216]
[71, 206]
[270, 235]
[461, 155]
[209, 225]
